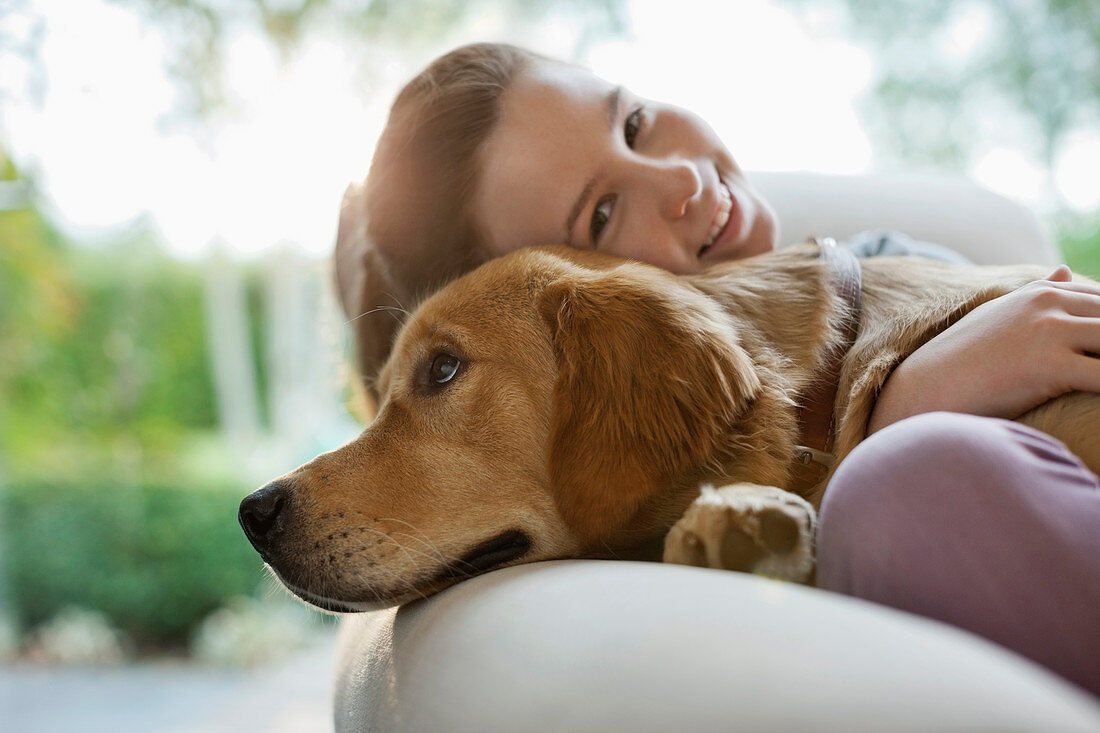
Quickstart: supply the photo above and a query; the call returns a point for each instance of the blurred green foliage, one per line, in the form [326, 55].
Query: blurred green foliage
[197, 32]
[128, 355]
[1079, 238]
[953, 77]
[98, 345]
[118, 494]
[156, 559]
[104, 358]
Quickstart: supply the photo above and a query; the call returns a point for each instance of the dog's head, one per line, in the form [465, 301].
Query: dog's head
[540, 407]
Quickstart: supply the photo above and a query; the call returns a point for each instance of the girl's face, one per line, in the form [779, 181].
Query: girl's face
[577, 160]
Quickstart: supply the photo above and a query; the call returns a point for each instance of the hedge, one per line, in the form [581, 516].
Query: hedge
[155, 559]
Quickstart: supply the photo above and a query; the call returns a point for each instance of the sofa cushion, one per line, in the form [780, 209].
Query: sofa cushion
[604, 646]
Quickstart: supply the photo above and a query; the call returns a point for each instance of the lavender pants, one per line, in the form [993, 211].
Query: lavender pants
[981, 523]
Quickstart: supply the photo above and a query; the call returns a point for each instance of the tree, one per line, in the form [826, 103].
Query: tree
[199, 31]
[954, 76]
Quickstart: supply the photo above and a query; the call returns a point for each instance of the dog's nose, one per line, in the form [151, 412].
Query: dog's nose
[261, 514]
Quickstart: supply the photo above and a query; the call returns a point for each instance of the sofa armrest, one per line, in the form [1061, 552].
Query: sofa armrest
[983, 226]
[606, 646]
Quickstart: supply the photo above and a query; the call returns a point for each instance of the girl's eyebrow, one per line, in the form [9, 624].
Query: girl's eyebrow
[613, 106]
[586, 192]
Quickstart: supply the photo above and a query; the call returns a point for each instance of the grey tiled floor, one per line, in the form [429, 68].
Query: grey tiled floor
[291, 696]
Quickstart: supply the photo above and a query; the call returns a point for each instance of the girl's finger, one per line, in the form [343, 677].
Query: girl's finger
[1082, 305]
[1084, 336]
[1078, 286]
[1062, 274]
[1085, 373]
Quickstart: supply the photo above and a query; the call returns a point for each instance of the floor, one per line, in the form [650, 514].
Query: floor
[292, 696]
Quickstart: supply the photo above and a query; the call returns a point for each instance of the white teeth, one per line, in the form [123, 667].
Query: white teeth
[721, 216]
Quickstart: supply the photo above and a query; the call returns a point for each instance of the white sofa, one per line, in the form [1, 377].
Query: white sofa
[617, 646]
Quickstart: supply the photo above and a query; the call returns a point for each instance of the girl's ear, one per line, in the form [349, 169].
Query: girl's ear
[651, 383]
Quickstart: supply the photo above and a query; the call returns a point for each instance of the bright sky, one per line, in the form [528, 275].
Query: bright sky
[104, 149]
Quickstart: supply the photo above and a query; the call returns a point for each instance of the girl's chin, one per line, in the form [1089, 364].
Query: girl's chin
[761, 236]
[758, 245]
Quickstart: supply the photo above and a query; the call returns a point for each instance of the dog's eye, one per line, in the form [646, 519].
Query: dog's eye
[443, 369]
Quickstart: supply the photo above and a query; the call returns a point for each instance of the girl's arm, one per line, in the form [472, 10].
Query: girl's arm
[1004, 357]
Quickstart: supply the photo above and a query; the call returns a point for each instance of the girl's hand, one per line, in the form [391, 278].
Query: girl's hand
[1004, 357]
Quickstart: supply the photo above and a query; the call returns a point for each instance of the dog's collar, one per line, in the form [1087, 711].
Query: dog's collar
[816, 416]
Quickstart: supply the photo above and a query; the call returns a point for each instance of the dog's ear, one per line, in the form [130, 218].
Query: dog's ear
[651, 382]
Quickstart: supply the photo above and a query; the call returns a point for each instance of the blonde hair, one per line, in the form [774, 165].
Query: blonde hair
[408, 229]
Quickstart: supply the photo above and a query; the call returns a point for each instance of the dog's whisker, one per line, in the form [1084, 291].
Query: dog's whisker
[374, 592]
[395, 299]
[271, 585]
[405, 548]
[432, 550]
[457, 564]
[611, 551]
[423, 536]
[409, 552]
[416, 589]
[381, 308]
[406, 582]
[411, 526]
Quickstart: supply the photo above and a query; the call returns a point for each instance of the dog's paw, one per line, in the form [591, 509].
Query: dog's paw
[758, 529]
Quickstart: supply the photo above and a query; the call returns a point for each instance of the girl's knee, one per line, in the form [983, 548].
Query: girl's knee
[921, 484]
[932, 456]
[921, 477]
[958, 518]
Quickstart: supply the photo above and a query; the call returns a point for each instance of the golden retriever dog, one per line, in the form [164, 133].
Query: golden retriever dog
[558, 403]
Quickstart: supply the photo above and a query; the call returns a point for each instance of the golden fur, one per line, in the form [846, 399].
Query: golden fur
[595, 396]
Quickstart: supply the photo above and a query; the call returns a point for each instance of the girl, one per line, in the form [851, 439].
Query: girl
[961, 516]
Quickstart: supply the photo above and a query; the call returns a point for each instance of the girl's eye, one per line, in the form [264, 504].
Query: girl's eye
[631, 127]
[600, 216]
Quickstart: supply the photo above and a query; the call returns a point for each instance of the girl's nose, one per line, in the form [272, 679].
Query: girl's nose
[678, 183]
